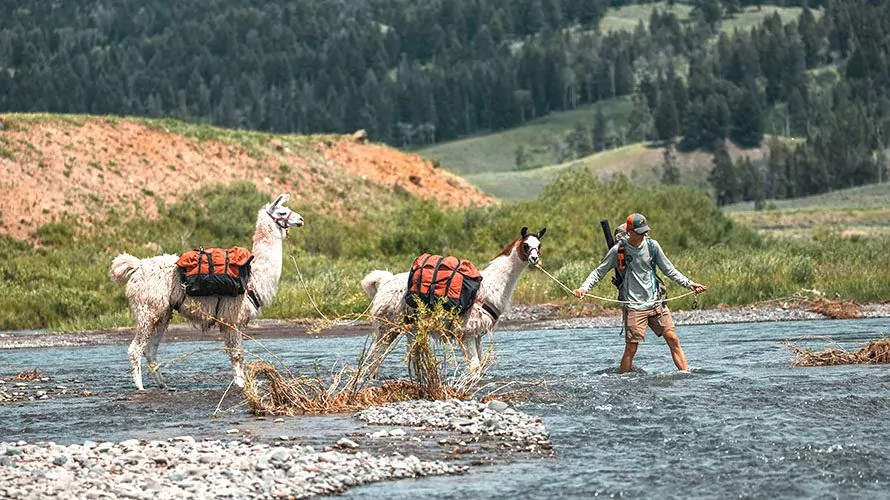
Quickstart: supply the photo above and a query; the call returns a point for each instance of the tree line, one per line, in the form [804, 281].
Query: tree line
[419, 72]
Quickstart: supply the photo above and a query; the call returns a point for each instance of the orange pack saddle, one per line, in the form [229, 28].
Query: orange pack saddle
[446, 279]
[215, 271]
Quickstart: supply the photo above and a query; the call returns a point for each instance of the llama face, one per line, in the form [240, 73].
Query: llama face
[283, 217]
[530, 246]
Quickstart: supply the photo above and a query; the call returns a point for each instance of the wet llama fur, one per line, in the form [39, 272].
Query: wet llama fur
[499, 280]
[154, 291]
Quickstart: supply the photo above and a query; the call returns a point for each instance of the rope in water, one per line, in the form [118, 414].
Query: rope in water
[606, 299]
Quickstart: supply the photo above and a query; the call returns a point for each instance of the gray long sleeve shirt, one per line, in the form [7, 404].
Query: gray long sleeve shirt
[639, 277]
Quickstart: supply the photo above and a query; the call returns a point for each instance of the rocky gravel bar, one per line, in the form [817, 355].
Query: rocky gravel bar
[517, 430]
[185, 468]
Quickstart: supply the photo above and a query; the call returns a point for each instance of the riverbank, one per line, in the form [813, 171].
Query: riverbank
[520, 317]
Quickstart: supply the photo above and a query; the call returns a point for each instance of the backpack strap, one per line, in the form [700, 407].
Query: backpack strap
[622, 261]
[431, 293]
[451, 278]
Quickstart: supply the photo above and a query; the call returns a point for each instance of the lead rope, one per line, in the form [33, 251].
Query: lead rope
[315, 306]
[606, 299]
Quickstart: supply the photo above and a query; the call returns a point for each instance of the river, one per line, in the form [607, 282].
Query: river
[744, 423]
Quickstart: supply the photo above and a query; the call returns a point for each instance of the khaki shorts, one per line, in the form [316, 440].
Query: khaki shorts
[658, 319]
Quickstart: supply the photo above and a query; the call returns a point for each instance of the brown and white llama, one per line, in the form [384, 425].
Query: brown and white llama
[499, 280]
[154, 291]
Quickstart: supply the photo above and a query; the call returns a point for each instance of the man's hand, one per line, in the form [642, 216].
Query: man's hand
[579, 293]
[698, 287]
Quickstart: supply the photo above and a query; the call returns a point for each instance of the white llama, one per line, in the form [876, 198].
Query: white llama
[154, 291]
[499, 280]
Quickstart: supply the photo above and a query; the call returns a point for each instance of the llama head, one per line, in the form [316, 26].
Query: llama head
[529, 245]
[281, 216]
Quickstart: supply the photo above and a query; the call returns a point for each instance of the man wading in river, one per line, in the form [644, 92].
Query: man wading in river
[636, 259]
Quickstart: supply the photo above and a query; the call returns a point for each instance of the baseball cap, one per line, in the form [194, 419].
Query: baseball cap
[638, 223]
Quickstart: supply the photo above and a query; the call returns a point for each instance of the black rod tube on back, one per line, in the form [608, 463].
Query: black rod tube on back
[607, 232]
[610, 242]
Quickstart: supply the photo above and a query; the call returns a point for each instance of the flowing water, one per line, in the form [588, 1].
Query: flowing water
[742, 424]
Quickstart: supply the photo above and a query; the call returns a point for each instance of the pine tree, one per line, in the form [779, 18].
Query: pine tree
[797, 114]
[670, 174]
[579, 140]
[747, 119]
[599, 131]
[777, 167]
[724, 178]
[641, 122]
[667, 123]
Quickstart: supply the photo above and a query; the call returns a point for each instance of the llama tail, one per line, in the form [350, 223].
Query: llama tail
[123, 266]
[372, 281]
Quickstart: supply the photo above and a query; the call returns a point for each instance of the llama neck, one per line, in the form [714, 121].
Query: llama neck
[499, 280]
[265, 270]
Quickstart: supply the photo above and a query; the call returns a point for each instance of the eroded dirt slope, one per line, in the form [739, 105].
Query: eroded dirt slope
[58, 167]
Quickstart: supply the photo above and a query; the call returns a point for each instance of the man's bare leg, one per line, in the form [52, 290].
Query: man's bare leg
[676, 351]
[627, 360]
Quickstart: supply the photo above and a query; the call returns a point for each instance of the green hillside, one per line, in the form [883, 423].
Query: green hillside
[639, 162]
[497, 152]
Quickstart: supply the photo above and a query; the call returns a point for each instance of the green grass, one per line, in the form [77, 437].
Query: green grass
[497, 152]
[627, 18]
[854, 212]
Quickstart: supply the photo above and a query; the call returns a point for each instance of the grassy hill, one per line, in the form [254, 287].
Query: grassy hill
[640, 162]
[497, 152]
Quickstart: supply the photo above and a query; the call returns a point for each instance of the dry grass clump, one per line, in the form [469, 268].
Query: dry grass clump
[836, 309]
[268, 392]
[434, 376]
[816, 301]
[29, 375]
[875, 352]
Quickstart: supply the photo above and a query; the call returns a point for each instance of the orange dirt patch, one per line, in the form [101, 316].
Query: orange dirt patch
[408, 170]
[55, 169]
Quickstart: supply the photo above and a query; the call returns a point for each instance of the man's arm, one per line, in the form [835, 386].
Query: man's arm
[673, 273]
[609, 261]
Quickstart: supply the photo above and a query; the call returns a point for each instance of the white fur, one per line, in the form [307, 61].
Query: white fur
[154, 291]
[499, 281]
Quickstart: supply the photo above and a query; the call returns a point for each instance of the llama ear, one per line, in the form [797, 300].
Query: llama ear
[541, 232]
[281, 200]
[523, 232]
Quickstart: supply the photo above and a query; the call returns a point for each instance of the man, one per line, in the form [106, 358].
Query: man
[636, 259]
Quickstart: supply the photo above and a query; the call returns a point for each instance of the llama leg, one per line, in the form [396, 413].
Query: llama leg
[235, 349]
[478, 342]
[137, 347]
[468, 345]
[152, 352]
